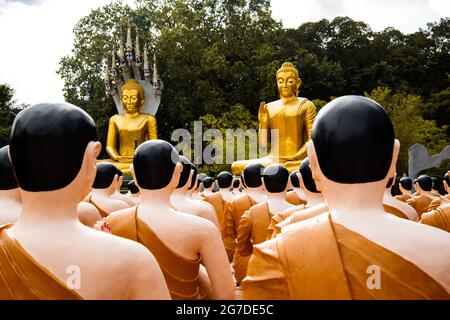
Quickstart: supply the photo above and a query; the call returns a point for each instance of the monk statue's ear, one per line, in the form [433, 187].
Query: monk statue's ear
[313, 163]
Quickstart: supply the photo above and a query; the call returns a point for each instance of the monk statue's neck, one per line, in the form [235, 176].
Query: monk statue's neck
[277, 202]
[180, 193]
[49, 208]
[156, 198]
[358, 199]
[313, 199]
[108, 192]
[300, 193]
[225, 193]
[12, 195]
[257, 194]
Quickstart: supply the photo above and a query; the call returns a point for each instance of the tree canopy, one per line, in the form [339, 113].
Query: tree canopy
[216, 55]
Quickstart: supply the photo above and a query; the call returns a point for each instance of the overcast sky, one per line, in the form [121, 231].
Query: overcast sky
[35, 34]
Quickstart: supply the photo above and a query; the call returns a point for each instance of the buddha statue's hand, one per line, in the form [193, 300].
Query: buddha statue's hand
[263, 114]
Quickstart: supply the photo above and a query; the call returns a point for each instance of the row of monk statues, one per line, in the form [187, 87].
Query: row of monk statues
[317, 222]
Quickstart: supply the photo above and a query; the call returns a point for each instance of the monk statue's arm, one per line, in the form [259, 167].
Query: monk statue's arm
[263, 118]
[111, 141]
[308, 119]
[244, 240]
[265, 278]
[230, 228]
[152, 128]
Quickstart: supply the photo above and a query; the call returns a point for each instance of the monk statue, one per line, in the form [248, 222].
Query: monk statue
[127, 131]
[405, 186]
[48, 254]
[10, 199]
[117, 195]
[103, 189]
[219, 200]
[356, 250]
[314, 201]
[439, 217]
[288, 121]
[422, 201]
[237, 186]
[254, 194]
[188, 248]
[208, 187]
[133, 192]
[296, 196]
[444, 199]
[435, 188]
[181, 202]
[254, 223]
[397, 207]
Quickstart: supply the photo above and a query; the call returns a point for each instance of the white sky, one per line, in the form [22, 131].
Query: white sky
[35, 34]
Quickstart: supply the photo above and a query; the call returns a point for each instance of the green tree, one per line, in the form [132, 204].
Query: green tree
[8, 111]
[409, 125]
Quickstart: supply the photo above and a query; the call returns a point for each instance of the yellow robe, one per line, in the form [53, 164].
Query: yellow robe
[320, 260]
[253, 228]
[395, 211]
[294, 199]
[181, 274]
[438, 218]
[220, 206]
[23, 278]
[438, 202]
[420, 203]
[403, 197]
[236, 208]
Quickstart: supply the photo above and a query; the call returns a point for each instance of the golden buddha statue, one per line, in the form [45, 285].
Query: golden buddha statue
[127, 131]
[292, 118]
[137, 101]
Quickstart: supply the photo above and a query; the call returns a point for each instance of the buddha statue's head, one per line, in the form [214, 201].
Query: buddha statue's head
[288, 80]
[133, 96]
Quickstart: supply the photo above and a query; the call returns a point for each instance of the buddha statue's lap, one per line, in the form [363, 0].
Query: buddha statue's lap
[288, 121]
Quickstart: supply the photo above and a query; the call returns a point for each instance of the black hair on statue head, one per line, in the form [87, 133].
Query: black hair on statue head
[154, 164]
[275, 178]
[133, 187]
[294, 179]
[236, 183]
[425, 182]
[435, 183]
[406, 183]
[105, 175]
[224, 179]
[185, 173]
[354, 138]
[207, 182]
[252, 175]
[307, 178]
[48, 143]
[7, 177]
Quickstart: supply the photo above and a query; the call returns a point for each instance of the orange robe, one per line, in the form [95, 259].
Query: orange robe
[439, 202]
[293, 198]
[420, 203]
[395, 211]
[236, 208]
[403, 197]
[438, 218]
[318, 259]
[253, 228]
[181, 274]
[220, 206]
[23, 278]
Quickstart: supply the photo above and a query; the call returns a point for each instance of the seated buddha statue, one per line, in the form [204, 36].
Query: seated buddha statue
[289, 122]
[127, 131]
